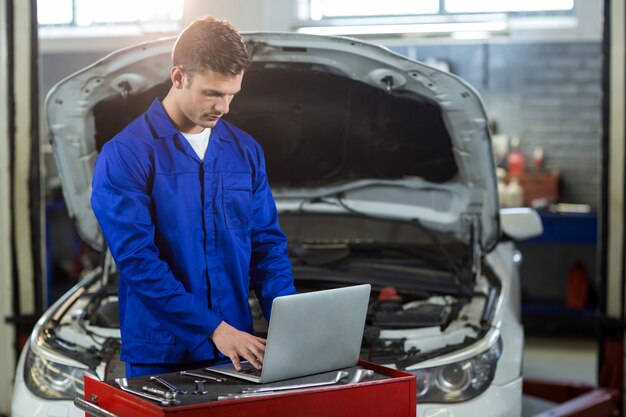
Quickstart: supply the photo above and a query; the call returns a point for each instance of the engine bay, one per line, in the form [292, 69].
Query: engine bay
[426, 298]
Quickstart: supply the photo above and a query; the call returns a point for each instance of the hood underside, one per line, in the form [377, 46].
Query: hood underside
[321, 127]
[335, 116]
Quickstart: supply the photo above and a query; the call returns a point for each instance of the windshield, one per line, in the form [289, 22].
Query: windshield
[392, 252]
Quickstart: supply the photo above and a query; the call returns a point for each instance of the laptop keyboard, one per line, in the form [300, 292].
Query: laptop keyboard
[251, 371]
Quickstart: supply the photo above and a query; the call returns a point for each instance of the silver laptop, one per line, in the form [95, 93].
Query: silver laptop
[310, 333]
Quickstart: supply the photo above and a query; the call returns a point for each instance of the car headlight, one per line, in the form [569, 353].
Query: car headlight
[457, 381]
[51, 380]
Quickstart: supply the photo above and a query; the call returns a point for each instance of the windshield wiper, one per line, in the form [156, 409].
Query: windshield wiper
[463, 274]
[328, 254]
[417, 283]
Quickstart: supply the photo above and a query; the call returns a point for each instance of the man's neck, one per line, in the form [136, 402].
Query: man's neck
[180, 121]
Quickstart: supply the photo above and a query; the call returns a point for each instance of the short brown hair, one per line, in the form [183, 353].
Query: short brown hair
[211, 44]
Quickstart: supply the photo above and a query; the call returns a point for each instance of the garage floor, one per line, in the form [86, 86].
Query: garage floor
[569, 359]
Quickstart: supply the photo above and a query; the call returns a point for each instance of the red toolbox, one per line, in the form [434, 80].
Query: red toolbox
[388, 393]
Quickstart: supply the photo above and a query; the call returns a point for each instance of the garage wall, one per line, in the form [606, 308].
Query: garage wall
[542, 88]
[547, 94]
[275, 15]
[615, 209]
[7, 332]
[17, 253]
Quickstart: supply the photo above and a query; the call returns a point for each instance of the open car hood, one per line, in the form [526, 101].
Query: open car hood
[345, 125]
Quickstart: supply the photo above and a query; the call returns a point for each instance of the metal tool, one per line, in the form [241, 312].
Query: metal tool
[338, 377]
[360, 374]
[234, 396]
[357, 377]
[166, 394]
[123, 383]
[200, 387]
[197, 375]
[167, 385]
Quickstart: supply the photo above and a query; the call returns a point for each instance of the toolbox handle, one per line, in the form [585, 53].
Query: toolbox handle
[92, 408]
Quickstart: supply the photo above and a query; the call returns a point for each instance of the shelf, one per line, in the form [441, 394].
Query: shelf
[572, 228]
[561, 321]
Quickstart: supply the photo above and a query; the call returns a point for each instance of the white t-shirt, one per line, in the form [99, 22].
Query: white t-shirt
[199, 141]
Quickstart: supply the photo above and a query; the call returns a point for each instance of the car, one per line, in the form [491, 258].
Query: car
[383, 173]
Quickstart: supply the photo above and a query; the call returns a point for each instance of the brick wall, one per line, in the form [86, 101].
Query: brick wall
[547, 94]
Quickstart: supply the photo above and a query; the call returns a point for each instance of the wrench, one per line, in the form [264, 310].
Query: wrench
[197, 375]
[234, 396]
[167, 385]
[340, 375]
[123, 383]
[166, 394]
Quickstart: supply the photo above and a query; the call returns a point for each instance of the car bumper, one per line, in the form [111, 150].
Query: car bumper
[496, 401]
[26, 404]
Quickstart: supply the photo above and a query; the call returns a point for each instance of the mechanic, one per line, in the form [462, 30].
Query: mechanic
[184, 203]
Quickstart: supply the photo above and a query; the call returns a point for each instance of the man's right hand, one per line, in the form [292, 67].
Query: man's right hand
[235, 343]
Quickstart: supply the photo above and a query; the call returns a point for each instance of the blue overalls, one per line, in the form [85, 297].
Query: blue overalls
[187, 236]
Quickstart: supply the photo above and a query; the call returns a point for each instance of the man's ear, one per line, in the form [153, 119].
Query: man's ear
[177, 75]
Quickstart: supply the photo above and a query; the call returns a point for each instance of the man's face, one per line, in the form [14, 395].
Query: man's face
[205, 97]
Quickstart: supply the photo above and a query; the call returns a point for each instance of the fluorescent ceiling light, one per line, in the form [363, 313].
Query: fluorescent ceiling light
[408, 29]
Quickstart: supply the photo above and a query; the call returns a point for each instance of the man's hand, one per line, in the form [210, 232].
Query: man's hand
[235, 343]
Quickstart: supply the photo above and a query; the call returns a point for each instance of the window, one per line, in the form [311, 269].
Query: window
[328, 9]
[489, 6]
[55, 12]
[320, 9]
[462, 19]
[98, 12]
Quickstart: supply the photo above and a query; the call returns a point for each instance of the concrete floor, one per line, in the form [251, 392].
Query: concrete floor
[569, 359]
